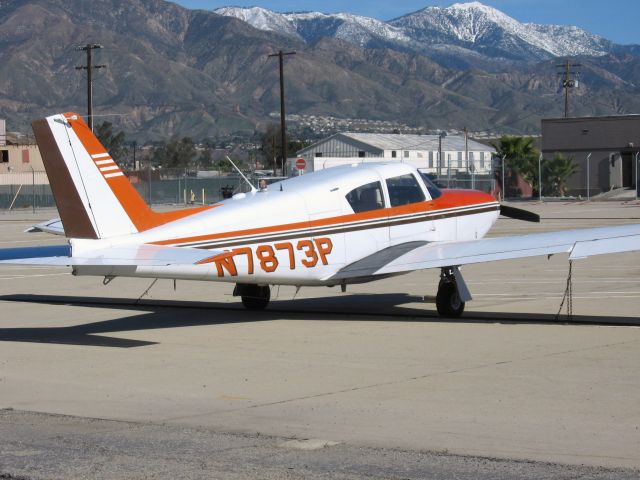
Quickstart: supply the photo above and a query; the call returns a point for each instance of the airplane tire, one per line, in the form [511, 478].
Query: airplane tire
[255, 297]
[448, 300]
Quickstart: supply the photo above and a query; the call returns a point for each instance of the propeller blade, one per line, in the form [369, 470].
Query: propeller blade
[519, 214]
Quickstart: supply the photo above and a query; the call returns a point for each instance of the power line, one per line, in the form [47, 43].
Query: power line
[89, 47]
[280, 56]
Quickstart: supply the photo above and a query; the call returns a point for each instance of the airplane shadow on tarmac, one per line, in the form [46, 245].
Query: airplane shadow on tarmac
[156, 314]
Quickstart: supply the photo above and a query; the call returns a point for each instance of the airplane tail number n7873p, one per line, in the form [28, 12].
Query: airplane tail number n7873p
[338, 226]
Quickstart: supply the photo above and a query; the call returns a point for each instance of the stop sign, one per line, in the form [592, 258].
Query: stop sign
[301, 164]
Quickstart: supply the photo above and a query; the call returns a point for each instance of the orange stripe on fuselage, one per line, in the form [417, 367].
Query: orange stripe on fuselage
[461, 198]
[449, 199]
[136, 208]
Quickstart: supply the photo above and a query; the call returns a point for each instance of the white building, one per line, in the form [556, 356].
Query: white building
[421, 151]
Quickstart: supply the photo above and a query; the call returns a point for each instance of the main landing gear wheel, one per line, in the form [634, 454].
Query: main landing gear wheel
[448, 300]
[254, 297]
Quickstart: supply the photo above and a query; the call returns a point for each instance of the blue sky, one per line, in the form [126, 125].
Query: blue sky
[617, 20]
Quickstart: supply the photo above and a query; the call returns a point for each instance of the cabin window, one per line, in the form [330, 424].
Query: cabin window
[430, 159]
[434, 191]
[459, 159]
[404, 189]
[318, 154]
[482, 160]
[406, 154]
[365, 198]
[393, 153]
[4, 157]
[361, 154]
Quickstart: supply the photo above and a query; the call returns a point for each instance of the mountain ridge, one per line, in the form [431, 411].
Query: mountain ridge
[472, 26]
[174, 71]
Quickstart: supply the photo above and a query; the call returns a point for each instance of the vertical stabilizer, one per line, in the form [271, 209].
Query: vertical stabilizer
[94, 197]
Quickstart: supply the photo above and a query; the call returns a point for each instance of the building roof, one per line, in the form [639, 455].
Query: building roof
[630, 117]
[399, 141]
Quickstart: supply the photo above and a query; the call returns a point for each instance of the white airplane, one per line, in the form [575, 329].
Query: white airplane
[338, 226]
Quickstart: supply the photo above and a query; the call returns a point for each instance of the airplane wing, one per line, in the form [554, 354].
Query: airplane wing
[135, 255]
[411, 256]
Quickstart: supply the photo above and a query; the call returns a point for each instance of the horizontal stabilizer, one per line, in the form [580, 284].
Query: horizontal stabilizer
[50, 226]
[15, 255]
[136, 255]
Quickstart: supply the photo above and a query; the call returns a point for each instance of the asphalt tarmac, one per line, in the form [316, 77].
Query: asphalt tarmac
[106, 382]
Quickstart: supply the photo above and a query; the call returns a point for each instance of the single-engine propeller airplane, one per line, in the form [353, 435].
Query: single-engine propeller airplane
[338, 226]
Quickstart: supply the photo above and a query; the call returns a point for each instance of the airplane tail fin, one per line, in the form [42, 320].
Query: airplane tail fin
[94, 197]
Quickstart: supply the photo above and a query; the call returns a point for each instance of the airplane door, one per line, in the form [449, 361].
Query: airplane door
[408, 204]
[366, 229]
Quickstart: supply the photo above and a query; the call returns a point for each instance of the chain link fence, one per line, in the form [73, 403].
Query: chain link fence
[23, 190]
[20, 190]
[31, 189]
[465, 181]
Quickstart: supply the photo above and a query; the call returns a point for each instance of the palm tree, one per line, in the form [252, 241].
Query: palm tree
[520, 158]
[556, 172]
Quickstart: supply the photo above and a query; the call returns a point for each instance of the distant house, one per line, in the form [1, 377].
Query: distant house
[421, 151]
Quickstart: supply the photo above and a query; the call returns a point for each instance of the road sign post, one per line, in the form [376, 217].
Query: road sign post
[301, 164]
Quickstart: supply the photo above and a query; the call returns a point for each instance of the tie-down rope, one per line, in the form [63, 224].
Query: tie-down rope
[568, 297]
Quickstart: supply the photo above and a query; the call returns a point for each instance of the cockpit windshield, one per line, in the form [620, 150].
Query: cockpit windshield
[434, 191]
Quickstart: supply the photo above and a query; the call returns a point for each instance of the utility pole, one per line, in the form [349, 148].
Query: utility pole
[441, 135]
[89, 47]
[283, 133]
[134, 145]
[466, 148]
[568, 81]
[540, 158]
[502, 188]
[636, 165]
[588, 179]
[149, 178]
[275, 158]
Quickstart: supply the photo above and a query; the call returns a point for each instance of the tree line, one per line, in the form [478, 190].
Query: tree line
[183, 153]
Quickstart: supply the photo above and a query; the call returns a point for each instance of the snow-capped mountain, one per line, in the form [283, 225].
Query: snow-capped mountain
[311, 26]
[262, 19]
[482, 28]
[470, 29]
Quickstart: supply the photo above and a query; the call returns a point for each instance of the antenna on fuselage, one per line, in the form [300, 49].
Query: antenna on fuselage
[253, 189]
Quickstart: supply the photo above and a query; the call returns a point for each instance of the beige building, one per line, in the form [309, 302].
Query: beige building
[20, 157]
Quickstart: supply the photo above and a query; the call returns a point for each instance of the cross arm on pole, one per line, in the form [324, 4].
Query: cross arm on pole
[293, 52]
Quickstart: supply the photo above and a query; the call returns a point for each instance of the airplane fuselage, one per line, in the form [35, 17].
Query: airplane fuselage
[302, 231]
